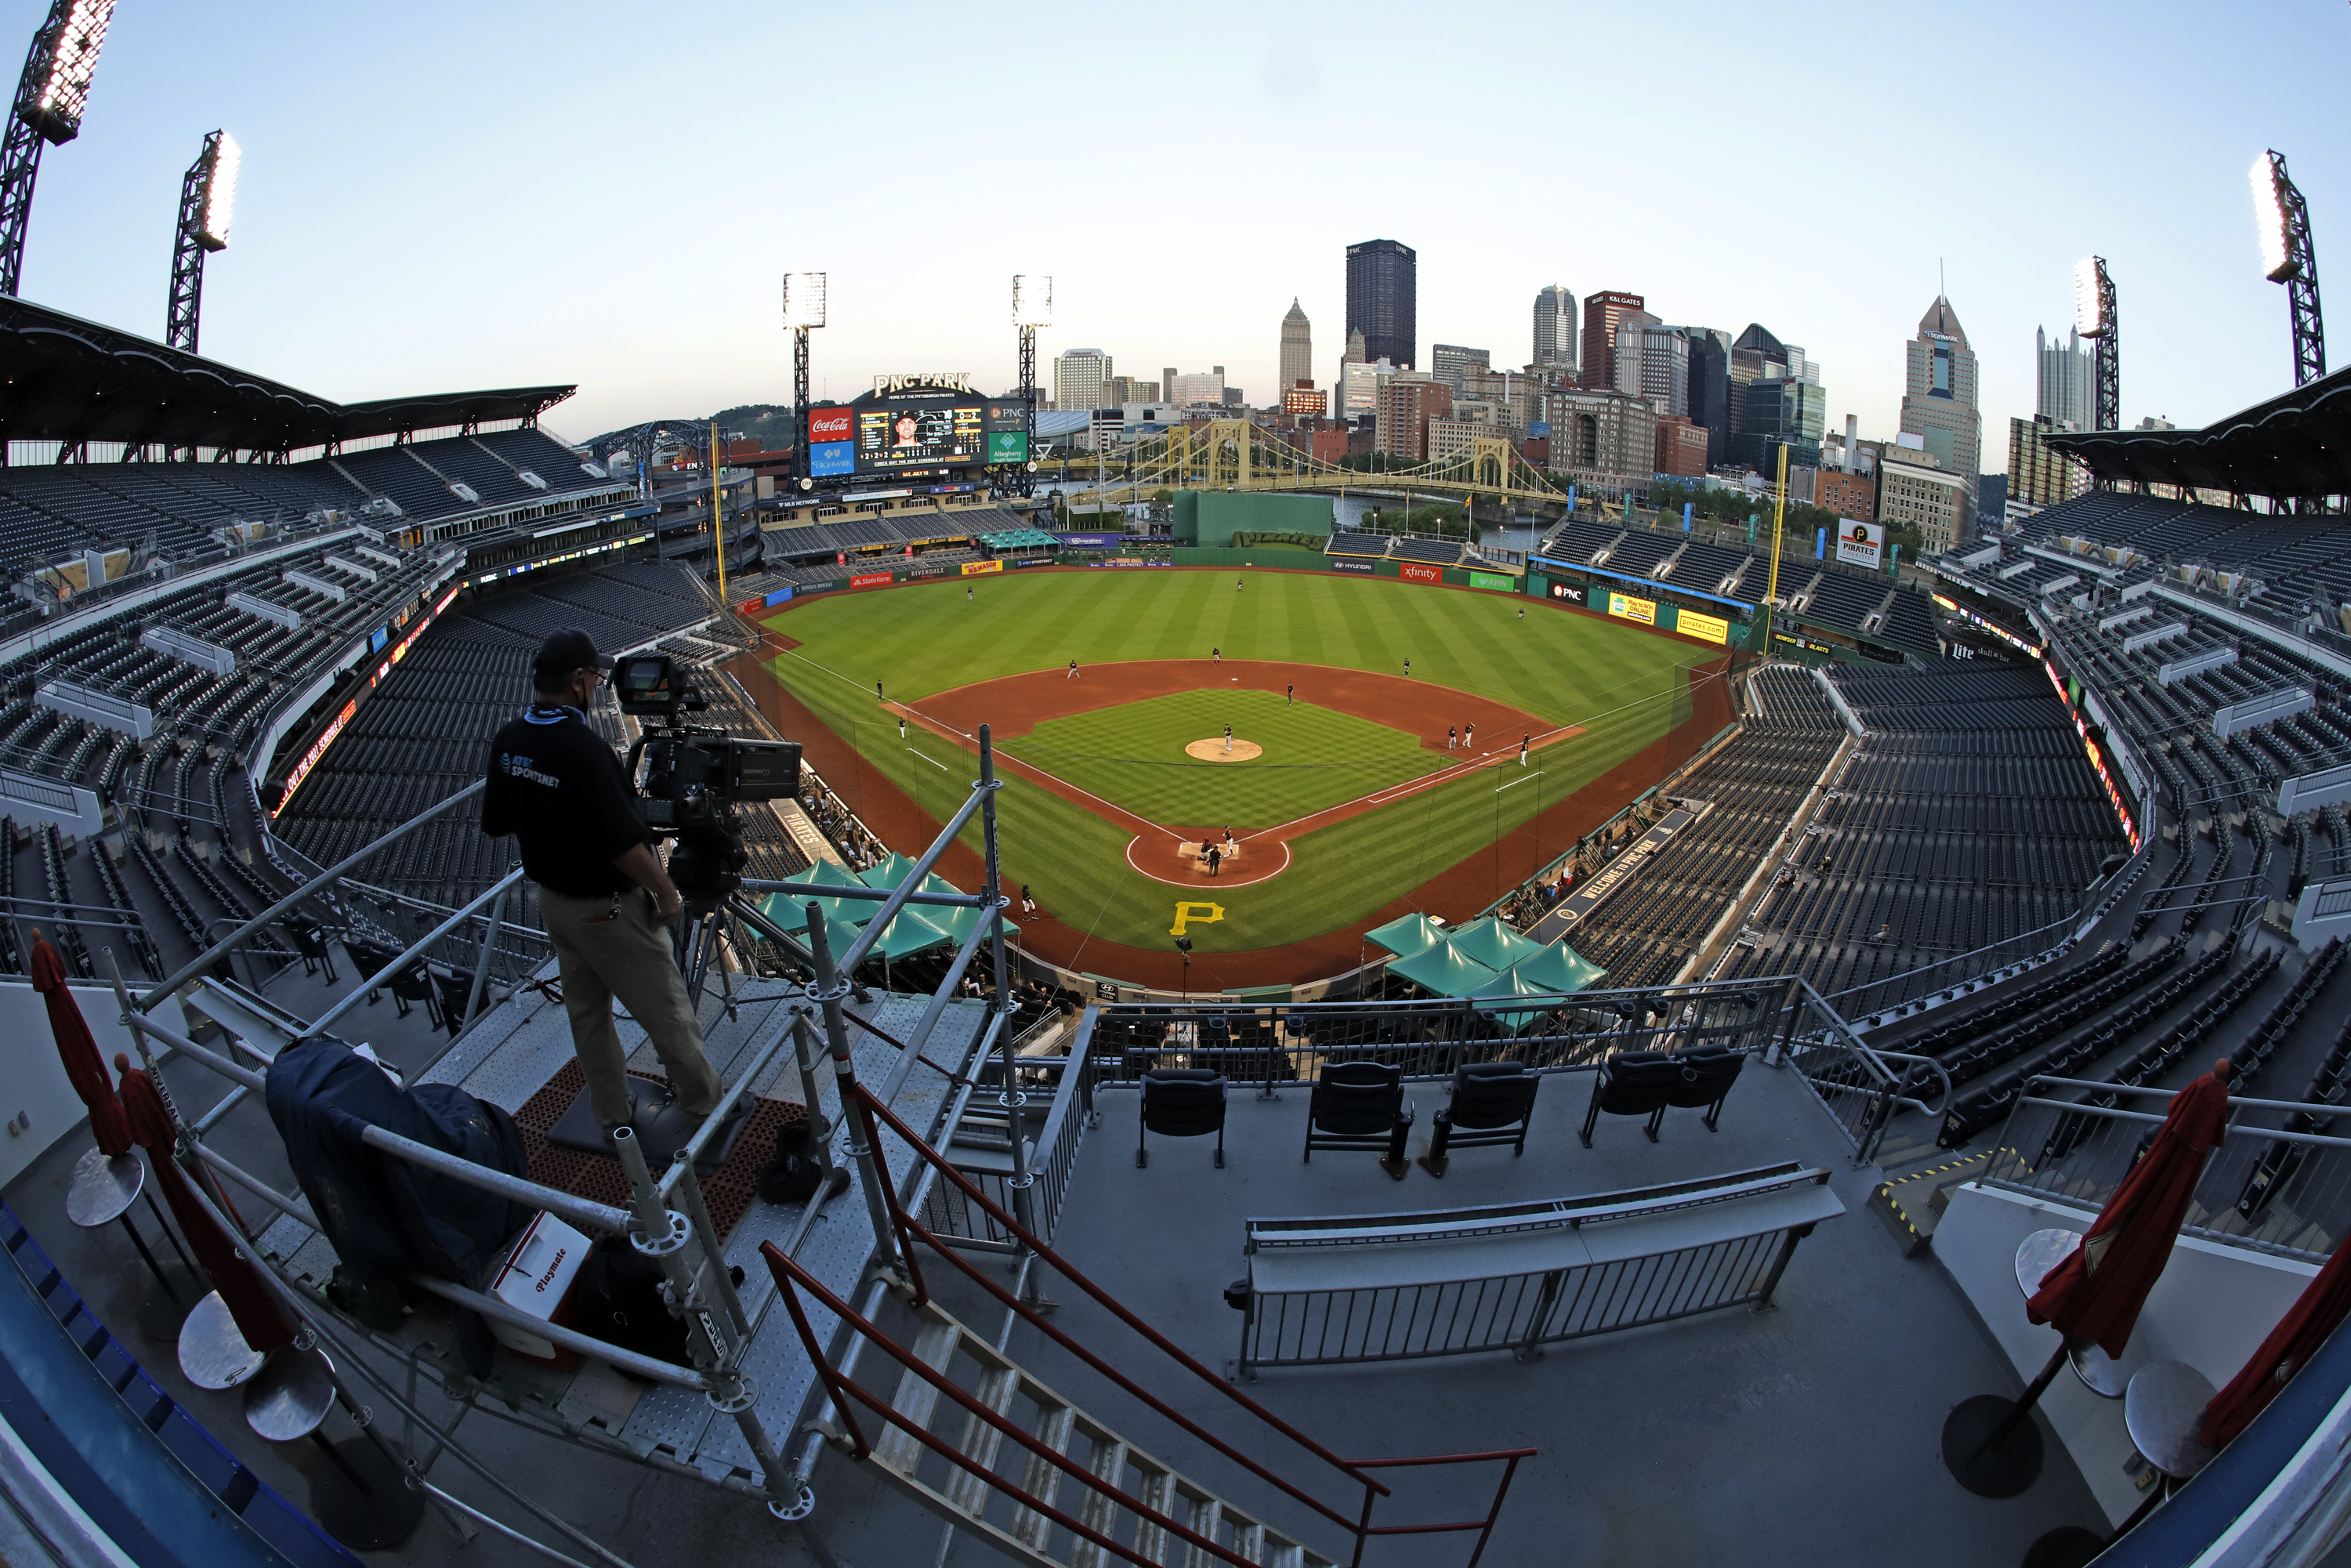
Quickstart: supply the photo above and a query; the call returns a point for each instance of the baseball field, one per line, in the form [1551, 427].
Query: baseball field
[1339, 801]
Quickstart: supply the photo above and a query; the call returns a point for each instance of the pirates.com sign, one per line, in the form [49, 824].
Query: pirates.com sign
[1861, 544]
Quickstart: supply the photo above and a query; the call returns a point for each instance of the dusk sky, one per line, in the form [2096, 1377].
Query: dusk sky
[439, 197]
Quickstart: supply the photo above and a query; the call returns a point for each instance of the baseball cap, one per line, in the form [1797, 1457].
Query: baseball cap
[564, 653]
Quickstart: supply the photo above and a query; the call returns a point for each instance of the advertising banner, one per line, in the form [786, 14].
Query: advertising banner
[915, 571]
[1034, 561]
[1362, 566]
[1420, 571]
[839, 423]
[980, 568]
[1861, 544]
[1645, 611]
[1007, 447]
[1712, 627]
[1092, 541]
[1006, 414]
[1571, 592]
[1493, 579]
[829, 458]
[871, 580]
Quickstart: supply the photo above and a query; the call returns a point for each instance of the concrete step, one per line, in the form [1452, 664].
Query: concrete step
[1910, 1206]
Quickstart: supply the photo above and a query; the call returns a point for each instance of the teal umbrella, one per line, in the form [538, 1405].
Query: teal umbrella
[1493, 943]
[789, 910]
[1558, 969]
[914, 930]
[1404, 938]
[1506, 986]
[1443, 969]
[888, 872]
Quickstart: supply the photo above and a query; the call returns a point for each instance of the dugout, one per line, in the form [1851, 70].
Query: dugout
[1210, 517]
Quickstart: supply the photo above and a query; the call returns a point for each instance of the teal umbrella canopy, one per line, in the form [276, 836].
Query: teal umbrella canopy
[1443, 969]
[1558, 969]
[1412, 934]
[1503, 988]
[1493, 943]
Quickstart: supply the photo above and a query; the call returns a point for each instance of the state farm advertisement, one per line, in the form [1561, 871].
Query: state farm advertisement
[1419, 573]
[871, 580]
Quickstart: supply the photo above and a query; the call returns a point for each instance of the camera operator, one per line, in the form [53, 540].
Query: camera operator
[602, 891]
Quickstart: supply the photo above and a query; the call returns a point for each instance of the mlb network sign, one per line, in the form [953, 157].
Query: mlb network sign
[1861, 544]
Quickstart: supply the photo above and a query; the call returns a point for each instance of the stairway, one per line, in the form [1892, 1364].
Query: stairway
[1130, 1481]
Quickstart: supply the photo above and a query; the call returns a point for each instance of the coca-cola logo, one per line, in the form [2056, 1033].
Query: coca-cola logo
[831, 424]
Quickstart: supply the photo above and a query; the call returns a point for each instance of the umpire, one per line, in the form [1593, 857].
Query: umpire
[603, 892]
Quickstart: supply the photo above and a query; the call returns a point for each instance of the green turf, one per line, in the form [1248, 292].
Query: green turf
[1625, 685]
[1134, 756]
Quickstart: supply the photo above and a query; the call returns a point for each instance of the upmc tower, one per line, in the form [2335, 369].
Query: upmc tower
[1381, 289]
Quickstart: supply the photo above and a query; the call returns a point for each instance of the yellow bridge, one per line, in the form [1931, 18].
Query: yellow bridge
[1233, 455]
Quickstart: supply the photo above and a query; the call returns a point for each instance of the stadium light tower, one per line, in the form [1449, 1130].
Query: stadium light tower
[2093, 316]
[2288, 257]
[208, 201]
[803, 312]
[1032, 306]
[50, 97]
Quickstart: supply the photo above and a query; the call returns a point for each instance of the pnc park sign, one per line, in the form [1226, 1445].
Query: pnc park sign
[926, 381]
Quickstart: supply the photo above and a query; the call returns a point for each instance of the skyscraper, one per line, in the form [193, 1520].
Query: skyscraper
[1079, 378]
[2067, 381]
[1709, 389]
[1555, 327]
[1602, 314]
[1297, 350]
[1448, 360]
[1383, 293]
[1653, 361]
[1938, 403]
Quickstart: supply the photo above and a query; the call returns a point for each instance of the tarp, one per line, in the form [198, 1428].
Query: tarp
[1560, 969]
[1404, 938]
[1493, 943]
[1442, 970]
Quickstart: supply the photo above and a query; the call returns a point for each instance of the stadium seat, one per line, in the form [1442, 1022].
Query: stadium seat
[1493, 1102]
[1360, 1106]
[1649, 1082]
[1181, 1102]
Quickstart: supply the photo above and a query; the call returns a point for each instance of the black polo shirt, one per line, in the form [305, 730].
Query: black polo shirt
[555, 785]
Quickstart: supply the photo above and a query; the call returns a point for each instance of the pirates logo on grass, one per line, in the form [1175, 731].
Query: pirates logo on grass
[1195, 913]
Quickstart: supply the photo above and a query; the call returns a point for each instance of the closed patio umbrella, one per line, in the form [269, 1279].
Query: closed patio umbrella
[2314, 1315]
[84, 1066]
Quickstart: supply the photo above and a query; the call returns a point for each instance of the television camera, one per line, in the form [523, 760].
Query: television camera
[695, 775]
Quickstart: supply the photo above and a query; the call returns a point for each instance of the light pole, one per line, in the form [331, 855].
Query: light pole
[803, 312]
[1032, 306]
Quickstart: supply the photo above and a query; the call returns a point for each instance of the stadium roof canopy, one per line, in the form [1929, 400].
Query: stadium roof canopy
[2297, 445]
[64, 379]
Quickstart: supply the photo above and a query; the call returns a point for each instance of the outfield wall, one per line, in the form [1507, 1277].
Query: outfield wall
[1209, 519]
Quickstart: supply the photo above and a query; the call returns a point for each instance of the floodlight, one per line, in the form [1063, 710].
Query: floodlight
[2089, 297]
[219, 191]
[1032, 300]
[2278, 260]
[803, 299]
[56, 112]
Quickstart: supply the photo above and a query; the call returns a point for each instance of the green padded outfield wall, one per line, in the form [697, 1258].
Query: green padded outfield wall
[1209, 518]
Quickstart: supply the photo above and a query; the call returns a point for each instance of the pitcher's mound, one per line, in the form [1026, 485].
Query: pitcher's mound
[1213, 749]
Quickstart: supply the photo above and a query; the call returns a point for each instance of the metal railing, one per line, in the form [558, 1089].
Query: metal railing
[1568, 1291]
[1862, 1088]
[980, 1132]
[2270, 1188]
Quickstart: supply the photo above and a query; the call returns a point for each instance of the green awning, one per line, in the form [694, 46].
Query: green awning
[1506, 986]
[1412, 934]
[915, 930]
[888, 872]
[1558, 968]
[1493, 943]
[789, 910]
[1442, 970]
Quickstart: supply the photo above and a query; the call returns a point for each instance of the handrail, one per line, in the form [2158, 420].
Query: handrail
[2316, 1110]
[864, 1098]
[2115, 1114]
[384, 975]
[204, 960]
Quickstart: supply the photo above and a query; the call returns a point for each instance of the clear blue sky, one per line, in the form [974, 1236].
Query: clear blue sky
[440, 196]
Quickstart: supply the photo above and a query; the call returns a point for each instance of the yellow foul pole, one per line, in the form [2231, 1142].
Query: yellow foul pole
[1779, 517]
[718, 513]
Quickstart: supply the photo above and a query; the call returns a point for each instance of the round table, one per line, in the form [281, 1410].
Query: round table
[2162, 1411]
[2101, 1374]
[292, 1395]
[212, 1351]
[102, 1190]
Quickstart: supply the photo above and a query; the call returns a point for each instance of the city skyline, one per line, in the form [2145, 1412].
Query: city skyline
[381, 252]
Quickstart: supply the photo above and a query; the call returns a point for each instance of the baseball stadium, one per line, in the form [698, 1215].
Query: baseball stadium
[1256, 1010]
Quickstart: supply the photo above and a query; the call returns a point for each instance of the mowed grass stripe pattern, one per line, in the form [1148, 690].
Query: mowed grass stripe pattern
[1625, 685]
[1133, 756]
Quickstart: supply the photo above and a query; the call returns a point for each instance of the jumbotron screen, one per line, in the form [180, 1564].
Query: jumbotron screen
[918, 437]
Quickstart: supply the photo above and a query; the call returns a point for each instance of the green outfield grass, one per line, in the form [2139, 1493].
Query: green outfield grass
[1134, 756]
[1624, 685]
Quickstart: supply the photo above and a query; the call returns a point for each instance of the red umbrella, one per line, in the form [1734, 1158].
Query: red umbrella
[78, 1051]
[241, 1291]
[2095, 1294]
[2323, 1304]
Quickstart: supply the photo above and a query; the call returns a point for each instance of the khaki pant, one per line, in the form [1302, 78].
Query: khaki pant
[602, 956]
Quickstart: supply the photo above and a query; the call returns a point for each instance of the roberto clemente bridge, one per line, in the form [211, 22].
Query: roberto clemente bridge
[1234, 454]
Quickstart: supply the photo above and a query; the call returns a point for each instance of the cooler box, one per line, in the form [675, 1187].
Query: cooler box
[536, 1278]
